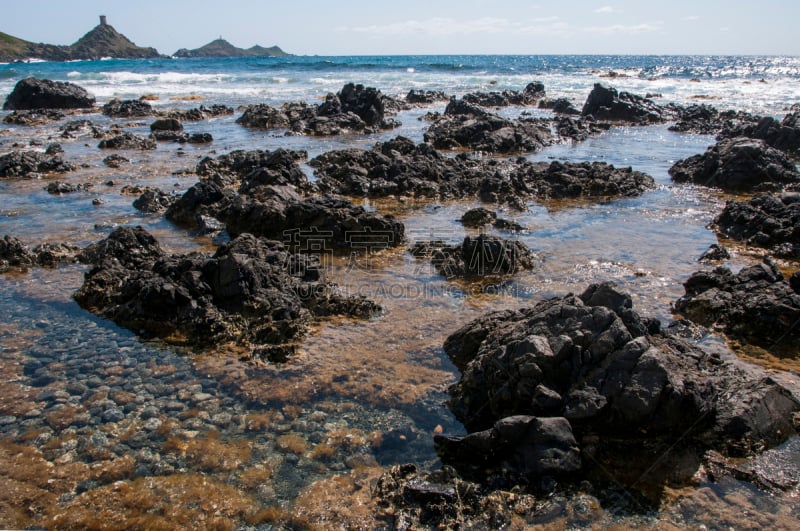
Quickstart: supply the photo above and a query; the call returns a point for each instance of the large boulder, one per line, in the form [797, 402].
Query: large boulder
[739, 165]
[478, 257]
[768, 221]
[606, 103]
[32, 93]
[250, 290]
[756, 305]
[609, 380]
[782, 135]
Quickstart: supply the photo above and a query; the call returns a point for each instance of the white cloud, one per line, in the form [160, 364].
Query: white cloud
[605, 9]
[444, 26]
[692, 18]
[622, 28]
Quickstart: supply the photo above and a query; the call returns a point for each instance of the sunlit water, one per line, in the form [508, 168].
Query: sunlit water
[357, 395]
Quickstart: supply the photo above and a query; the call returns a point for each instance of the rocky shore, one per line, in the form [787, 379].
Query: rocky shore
[552, 392]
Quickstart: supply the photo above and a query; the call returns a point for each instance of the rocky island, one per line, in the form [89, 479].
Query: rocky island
[222, 48]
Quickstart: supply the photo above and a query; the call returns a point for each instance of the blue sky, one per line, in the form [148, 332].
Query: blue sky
[427, 26]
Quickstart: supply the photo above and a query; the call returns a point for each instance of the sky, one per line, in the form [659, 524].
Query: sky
[306, 27]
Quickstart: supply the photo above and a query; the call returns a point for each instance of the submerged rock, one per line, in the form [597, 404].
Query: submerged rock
[29, 163]
[16, 256]
[250, 290]
[587, 373]
[757, 305]
[768, 221]
[31, 93]
[738, 164]
[33, 117]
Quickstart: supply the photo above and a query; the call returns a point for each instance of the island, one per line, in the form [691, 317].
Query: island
[102, 41]
[222, 48]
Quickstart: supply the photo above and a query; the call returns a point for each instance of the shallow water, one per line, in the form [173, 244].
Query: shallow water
[302, 438]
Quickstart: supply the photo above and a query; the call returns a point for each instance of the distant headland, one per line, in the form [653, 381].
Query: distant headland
[105, 41]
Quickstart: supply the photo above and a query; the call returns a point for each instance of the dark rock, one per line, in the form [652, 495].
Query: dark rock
[127, 109]
[264, 167]
[33, 117]
[738, 164]
[579, 129]
[768, 221]
[715, 253]
[533, 92]
[520, 445]
[127, 141]
[28, 163]
[399, 167]
[170, 136]
[60, 187]
[154, 200]
[31, 93]
[201, 113]
[205, 198]
[353, 109]
[56, 254]
[783, 136]
[478, 217]
[54, 149]
[251, 290]
[559, 106]
[606, 103]
[14, 255]
[166, 124]
[200, 138]
[78, 128]
[467, 126]
[115, 161]
[757, 305]
[426, 97]
[483, 256]
[592, 364]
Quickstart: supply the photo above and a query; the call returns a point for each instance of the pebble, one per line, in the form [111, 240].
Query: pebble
[8, 419]
[201, 397]
[152, 424]
[113, 415]
[149, 412]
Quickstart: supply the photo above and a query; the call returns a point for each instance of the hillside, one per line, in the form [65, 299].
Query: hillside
[102, 41]
[222, 48]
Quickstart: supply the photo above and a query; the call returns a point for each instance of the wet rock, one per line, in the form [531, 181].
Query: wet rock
[738, 164]
[200, 138]
[768, 221]
[426, 97]
[355, 108]
[614, 376]
[606, 103]
[201, 113]
[559, 106]
[166, 124]
[56, 254]
[14, 254]
[115, 161]
[251, 290]
[529, 96]
[32, 93]
[30, 163]
[478, 217]
[33, 117]
[154, 200]
[78, 128]
[127, 109]
[61, 187]
[467, 126]
[715, 253]
[127, 141]
[277, 167]
[757, 304]
[579, 129]
[399, 167]
[482, 256]
[782, 135]
[705, 119]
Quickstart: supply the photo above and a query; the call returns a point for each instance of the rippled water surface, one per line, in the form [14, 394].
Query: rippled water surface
[93, 416]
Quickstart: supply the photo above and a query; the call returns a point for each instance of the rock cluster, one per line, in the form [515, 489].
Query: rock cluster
[355, 108]
[757, 304]
[31, 163]
[465, 125]
[783, 136]
[31, 93]
[33, 117]
[128, 141]
[768, 221]
[738, 164]
[401, 168]
[532, 93]
[544, 387]
[250, 290]
[127, 108]
[16, 256]
[606, 103]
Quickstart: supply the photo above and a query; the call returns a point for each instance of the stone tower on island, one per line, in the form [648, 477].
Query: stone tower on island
[103, 20]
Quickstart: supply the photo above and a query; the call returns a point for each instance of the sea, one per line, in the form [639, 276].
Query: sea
[103, 413]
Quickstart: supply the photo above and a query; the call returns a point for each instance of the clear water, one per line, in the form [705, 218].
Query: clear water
[359, 395]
